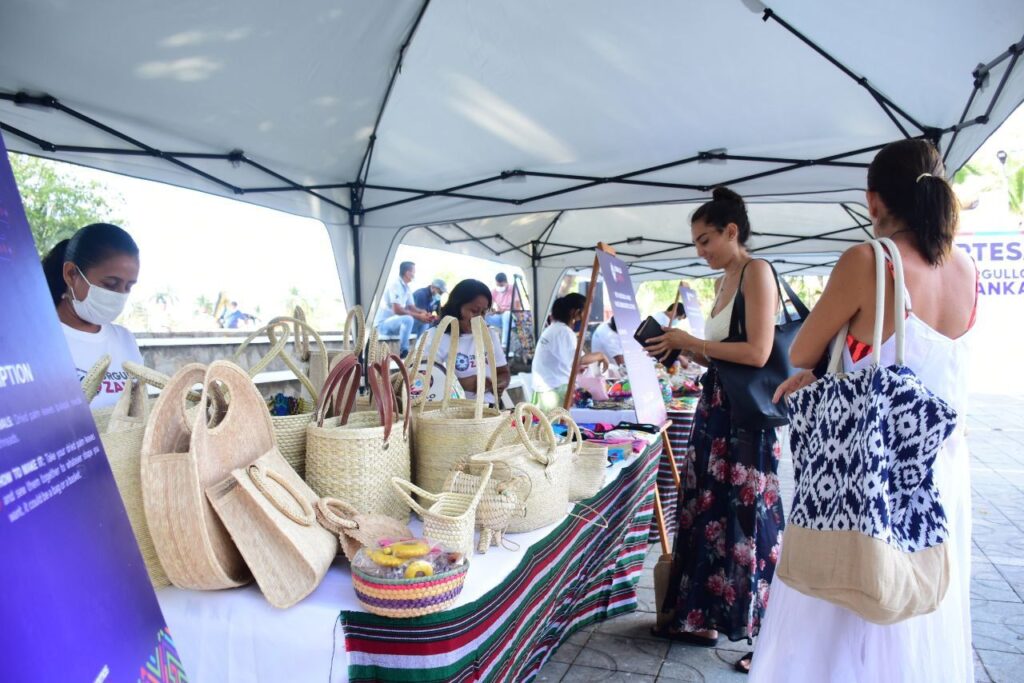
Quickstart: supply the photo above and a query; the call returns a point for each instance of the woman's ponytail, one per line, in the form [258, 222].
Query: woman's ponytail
[936, 214]
[53, 268]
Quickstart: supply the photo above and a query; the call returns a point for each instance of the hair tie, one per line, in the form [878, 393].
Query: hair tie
[923, 175]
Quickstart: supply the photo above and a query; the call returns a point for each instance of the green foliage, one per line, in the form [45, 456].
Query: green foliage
[57, 204]
[1015, 187]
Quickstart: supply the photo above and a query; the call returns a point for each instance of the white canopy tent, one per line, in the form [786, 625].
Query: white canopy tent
[377, 117]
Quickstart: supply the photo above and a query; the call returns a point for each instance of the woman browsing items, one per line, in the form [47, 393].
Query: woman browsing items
[807, 638]
[90, 277]
[730, 516]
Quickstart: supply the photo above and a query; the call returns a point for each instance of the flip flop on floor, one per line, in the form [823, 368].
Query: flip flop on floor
[743, 663]
[684, 637]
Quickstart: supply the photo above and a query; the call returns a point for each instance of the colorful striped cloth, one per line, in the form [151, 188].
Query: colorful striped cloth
[579, 574]
[679, 439]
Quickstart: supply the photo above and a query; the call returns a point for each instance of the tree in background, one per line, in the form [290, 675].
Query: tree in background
[57, 204]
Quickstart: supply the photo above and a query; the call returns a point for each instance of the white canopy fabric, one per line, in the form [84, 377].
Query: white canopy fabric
[501, 107]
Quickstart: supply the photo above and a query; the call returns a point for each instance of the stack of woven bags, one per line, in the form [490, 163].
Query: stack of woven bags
[219, 492]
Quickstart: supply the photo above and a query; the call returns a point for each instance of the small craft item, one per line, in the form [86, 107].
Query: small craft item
[268, 510]
[408, 577]
[356, 530]
[181, 458]
[500, 502]
[450, 518]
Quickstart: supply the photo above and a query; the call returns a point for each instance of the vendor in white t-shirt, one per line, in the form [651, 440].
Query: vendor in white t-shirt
[663, 316]
[606, 339]
[90, 277]
[467, 300]
[552, 361]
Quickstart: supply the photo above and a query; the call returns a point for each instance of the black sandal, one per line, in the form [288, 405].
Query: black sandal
[684, 637]
[743, 663]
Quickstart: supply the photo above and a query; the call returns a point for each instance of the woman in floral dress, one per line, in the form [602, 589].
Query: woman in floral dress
[730, 518]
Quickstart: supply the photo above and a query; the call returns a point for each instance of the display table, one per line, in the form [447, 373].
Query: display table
[679, 440]
[515, 609]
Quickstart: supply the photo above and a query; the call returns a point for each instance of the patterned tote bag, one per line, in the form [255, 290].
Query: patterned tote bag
[867, 529]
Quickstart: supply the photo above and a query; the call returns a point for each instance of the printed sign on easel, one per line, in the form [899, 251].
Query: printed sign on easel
[694, 314]
[647, 399]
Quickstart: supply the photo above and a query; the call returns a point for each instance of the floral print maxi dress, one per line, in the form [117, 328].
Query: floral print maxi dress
[729, 523]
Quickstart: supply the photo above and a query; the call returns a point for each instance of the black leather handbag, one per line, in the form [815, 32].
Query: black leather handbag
[750, 389]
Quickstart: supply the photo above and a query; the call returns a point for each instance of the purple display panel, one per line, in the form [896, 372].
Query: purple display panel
[75, 600]
[647, 399]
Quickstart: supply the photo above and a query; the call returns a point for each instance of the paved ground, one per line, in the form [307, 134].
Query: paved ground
[623, 650]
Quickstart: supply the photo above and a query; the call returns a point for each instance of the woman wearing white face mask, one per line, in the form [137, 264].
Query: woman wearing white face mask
[90, 277]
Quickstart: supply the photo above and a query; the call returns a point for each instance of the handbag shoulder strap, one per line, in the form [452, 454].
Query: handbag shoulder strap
[737, 322]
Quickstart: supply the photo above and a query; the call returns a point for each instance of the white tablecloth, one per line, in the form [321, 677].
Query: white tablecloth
[236, 636]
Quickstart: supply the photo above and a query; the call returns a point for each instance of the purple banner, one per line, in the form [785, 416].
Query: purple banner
[75, 600]
[647, 400]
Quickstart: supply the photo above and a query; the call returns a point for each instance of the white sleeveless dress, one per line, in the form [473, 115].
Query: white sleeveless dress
[807, 640]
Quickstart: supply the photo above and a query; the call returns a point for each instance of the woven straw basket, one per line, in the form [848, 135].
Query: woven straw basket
[181, 460]
[500, 502]
[122, 442]
[354, 529]
[451, 518]
[93, 380]
[544, 462]
[268, 510]
[589, 461]
[405, 598]
[353, 456]
[457, 429]
[289, 430]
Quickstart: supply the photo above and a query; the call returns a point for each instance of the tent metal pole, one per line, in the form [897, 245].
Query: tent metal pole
[355, 219]
[535, 294]
[860, 80]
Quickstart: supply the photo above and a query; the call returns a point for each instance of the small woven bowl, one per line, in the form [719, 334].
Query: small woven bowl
[405, 598]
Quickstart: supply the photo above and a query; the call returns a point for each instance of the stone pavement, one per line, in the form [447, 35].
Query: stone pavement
[622, 649]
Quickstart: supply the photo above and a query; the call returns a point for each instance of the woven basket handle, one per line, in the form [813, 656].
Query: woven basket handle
[355, 327]
[132, 402]
[563, 416]
[301, 335]
[336, 515]
[406, 381]
[340, 389]
[524, 414]
[259, 474]
[450, 325]
[484, 349]
[405, 489]
[378, 377]
[169, 424]
[93, 380]
[278, 332]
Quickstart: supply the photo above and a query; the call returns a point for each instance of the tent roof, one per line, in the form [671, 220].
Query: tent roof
[418, 112]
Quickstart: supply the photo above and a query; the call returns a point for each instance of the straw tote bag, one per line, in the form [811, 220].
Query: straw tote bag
[589, 461]
[289, 430]
[545, 466]
[867, 529]
[180, 461]
[354, 456]
[122, 442]
[268, 510]
[457, 429]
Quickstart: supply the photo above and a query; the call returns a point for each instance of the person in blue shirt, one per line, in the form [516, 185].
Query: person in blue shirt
[429, 298]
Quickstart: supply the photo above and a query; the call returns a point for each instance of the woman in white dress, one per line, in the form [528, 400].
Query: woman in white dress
[808, 639]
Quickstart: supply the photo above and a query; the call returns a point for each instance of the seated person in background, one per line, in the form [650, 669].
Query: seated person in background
[397, 315]
[470, 299]
[663, 316]
[552, 362]
[501, 297]
[606, 340]
[89, 277]
[429, 298]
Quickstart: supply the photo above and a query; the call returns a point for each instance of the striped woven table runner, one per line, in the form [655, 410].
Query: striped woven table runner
[679, 438]
[579, 574]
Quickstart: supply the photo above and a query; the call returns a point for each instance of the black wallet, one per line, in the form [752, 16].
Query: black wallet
[649, 329]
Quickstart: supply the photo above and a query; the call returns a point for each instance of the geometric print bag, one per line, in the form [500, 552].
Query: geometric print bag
[867, 529]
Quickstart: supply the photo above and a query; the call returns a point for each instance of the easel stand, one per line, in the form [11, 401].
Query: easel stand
[571, 388]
